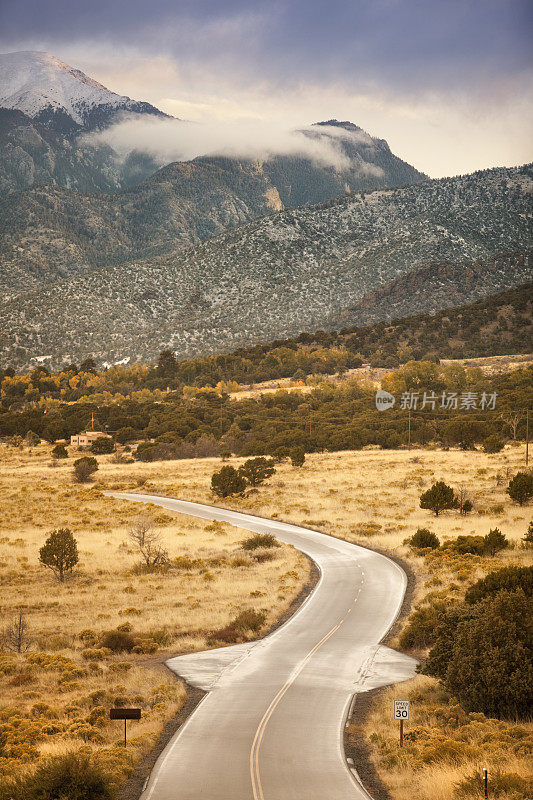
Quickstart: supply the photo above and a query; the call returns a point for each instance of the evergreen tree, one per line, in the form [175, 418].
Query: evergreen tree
[104, 444]
[495, 541]
[256, 470]
[520, 487]
[228, 481]
[297, 456]
[60, 553]
[491, 668]
[424, 538]
[438, 498]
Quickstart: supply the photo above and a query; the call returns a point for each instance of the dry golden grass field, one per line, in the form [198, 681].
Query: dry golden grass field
[369, 497]
[56, 695]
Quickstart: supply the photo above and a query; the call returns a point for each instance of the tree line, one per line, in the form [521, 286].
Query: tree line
[495, 325]
[329, 417]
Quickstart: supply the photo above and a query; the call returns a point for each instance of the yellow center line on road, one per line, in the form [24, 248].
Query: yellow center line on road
[254, 753]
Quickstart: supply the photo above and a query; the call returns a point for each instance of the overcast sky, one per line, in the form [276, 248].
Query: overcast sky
[446, 82]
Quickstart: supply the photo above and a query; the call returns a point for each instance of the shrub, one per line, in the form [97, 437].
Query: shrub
[495, 541]
[466, 544]
[261, 555]
[32, 440]
[235, 631]
[228, 482]
[508, 578]
[84, 468]
[493, 444]
[88, 636]
[438, 498]
[147, 540]
[76, 776]
[98, 715]
[60, 553]
[520, 487]
[229, 634]
[250, 620]
[240, 561]
[59, 451]
[424, 538]
[297, 456]
[491, 668]
[16, 636]
[103, 445]
[117, 641]
[421, 630]
[185, 562]
[120, 666]
[161, 637]
[145, 646]
[260, 540]
[502, 784]
[527, 539]
[96, 653]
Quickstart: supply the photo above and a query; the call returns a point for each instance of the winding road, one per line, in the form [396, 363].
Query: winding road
[271, 725]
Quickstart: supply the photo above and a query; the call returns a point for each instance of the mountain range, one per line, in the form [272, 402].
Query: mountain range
[118, 257]
[286, 272]
[48, 108]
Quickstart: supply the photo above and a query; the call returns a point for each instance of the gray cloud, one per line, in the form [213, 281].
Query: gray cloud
[446, 82]
[400, 45]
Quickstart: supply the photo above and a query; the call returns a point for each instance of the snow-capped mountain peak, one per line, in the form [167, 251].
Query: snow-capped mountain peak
[47, 89]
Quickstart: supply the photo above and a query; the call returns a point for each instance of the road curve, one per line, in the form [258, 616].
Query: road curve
[271, 725]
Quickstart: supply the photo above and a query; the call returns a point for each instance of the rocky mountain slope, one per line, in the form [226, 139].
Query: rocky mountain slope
[62, 97]
[434, 286]
[500, 324]
[31, 153]
[276, 276]
[48, 232]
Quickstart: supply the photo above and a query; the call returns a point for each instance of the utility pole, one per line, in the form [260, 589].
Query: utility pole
[527, 436]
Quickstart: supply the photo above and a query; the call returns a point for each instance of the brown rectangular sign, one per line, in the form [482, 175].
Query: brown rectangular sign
[125, 713]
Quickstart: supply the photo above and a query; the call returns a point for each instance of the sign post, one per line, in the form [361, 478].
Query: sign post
[401, 712]
[485, 784]
[125, 714]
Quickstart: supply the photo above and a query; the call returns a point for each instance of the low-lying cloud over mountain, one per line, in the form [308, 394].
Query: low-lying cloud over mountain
[61, 127]
[167, 140]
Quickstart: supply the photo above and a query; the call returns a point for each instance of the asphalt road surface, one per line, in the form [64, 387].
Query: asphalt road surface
[271, 725]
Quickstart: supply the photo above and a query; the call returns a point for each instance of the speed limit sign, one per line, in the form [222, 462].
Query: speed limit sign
[401, 709]
[401, 712]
